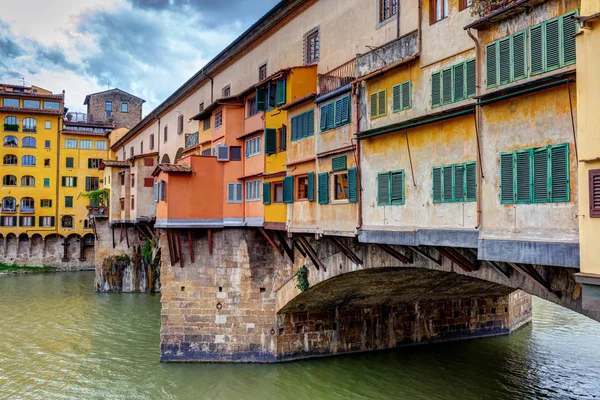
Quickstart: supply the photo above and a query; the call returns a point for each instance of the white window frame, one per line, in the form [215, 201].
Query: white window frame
[48, 125]
[100, 144]
[46, 222]
[27, 221]
[234, 192]
[69, 181]
[85, 144]
[70, 143]
[252, 147]
[9, 222]
[253, 190]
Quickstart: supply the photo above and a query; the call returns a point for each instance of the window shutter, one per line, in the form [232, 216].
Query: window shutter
[519, 59]
[540, 175]
[52, 221]
[447, 86]
[569, 29]
[41, 221]
[471, 78]
[536, 45]
[338, 163]
[373, 105]
[89, 163]
[459, 182]
[310, 117]
[323, 188]
[280, 92]
[552, 44]
[381, 103]
[383, 189]
[1, 221]
[559, 172]
[87, 183]
[437, 185]
[507, 182]
[261, 99]
[523, 178]
[435, 90]
[448, 184]
[238, 192]
[324, 117]
[33, 221]
[50, 202]
[491, 64]
[396, 98]
[352, 186]
[338, 112]
[294, 128]
[267, 193]
[504, 60]
[345, 109]
[471, 181]
[64, 181]
[270, 141]
[20, 221]
[41, 202]
[594, 181]
[288, 189]
[459, 82]
[311, 186]
[397, 187]
[330, 116]
[75, 182]
[406, 95]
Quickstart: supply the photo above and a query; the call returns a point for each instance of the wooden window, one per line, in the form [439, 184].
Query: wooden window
[323, 189]
[278, 192]
[235, 153]
[401, 96]
[311, 46]
[594, 176]
[124, 107]
[302, 188]
[378, 104]
[262, 72]
[253, 190]
[180, 124]
[539, 175]
[218, 118]
[251, 107]
[506, 60]
[261, 98]
[267, 193]
[206, 124]
[552, 43]
[336, 113]
[46, 203]
[453, 84]
[226, 91]
[438, 10]
[303, 125]
[270, 141]
[282, 133]
[339, 182]
[68, 201]
[387, 9]
[464, 4]
[454, 183]
[201, 107]
[92, 183]
[344, 186]
[339, 163]
[288, 189]
[69, 181]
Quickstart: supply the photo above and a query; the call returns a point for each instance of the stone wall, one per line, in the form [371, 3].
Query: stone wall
[97, 104]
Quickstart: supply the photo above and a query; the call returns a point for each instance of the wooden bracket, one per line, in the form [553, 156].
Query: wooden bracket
[179, 248]
[121, 234]
[424, 253]
[456, 258]
[286, 247]
[191, 245]
[396, 254]
[113, 237]
[210, 243]
[127, 236]
[530, 272]
[346, 250]
[298, 245]
[271, 241]
[311, 253]
[499, 269]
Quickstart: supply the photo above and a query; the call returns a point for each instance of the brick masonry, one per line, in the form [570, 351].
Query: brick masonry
[97, 108]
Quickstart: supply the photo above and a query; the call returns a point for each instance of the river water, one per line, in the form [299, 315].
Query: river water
[59, 340]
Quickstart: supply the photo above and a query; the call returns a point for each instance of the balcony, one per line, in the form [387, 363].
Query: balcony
[337, 77]
[98, 212]
[11, 127]
[79, 117]
[493, 11]
[390, 54]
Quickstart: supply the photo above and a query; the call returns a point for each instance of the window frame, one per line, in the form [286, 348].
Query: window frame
[126, 107]
[297, 179]
[237, 189]
[310, 56]
[274, 186]
[257, 190]
[218, 119]
[332, 187]
[433, 17]
[377, 105]
[257, 140]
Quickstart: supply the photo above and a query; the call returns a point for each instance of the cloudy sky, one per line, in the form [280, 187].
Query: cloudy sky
[146, 47]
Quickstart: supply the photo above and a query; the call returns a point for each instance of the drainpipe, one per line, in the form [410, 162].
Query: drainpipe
[357, 153]
[478, 59]
[211, 85]
[419, 40]
[398, 21]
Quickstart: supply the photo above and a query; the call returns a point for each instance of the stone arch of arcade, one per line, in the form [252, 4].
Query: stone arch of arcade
[47, 248]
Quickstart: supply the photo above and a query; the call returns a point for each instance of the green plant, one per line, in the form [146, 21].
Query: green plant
[99, 198]
[481, 8]
[302, 279]
[122, 258]
[11, 127]
[147, 251]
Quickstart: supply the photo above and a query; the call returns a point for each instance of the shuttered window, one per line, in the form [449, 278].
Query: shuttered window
[303, 125]
[506, 60]
[280, 92]
[552, 43]
[594, 179]
[335, 113]
[270, 141]
[455, 183]
[378, 103]
[538, 175]
[390, 188]
[453, 84]
[323, 189]
[288, 189]
[311, 186]
[267, 193]
[402, 96]
[339, 163]
[352, 185]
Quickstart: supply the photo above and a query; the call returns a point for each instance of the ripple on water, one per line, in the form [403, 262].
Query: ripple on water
[62, 341]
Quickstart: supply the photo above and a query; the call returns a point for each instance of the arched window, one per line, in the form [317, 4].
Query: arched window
[28, 180]
[28, 161]
[28, 141]
[66, 221]
[9, 204]
[11, 141]
[11, 124]
[29, 125]
[27, 205]
[10, 159]
[9, 180]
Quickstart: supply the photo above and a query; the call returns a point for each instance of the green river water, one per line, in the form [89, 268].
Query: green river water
[60, 340]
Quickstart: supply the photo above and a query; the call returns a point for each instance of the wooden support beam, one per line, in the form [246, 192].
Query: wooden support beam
[191, 245]
[311, 253]
[210, 243]
[170, 245]
[113, 236]
[535, 277]
[424, 253]
[464, 260]
[296, 242]
[121, 234]
[179, 250]
[396, 254]
[499, 269]
[137, 227]
[286, 247]
[346, 250]
[443, 251]
[127, 236]
[271, 241]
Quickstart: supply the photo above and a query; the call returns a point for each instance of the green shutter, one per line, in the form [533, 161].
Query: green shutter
[569, 29]
[310, 118]
[33, 221]
[288, 189]
[447, 184]
[69, 162]
[437, 185]
[382, 102]
[459, 182]
[267, 193]
[64, 181]
[507, 182]
[280, 92]
[447, 86]
[261, 99]
[352, 186]
[338, 112]
[52, 221]
[540, 175]
[536, 46]
[311, 186]
[338, 163]
[383, 189]
[373, 105]
[323, 188]
[87, 183]
[459, 81]
[406, 95]
[40, 221]
[519, 58]
[504, 60]
[559, 172]
[523, 176]
[75, 182]
[435, 90]
[491, 66]
[471, 78]
[397, 187]
[270, 141]
[41, 202]
[553, 41]
[330, 116]
[471, 181]
[50, 203]
[396, 98]
[1, 221]
[324, 117]
[89, 163]
[20, 221]
[346, 109]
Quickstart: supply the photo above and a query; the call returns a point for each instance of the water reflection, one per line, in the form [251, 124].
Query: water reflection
[59, 340]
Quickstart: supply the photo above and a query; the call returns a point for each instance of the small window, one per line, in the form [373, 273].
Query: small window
[455, 183]
[438, 10]
[10, 159]
[28, 161]
[67, 221]
[390, 188]
[122, 203]
[235, 153]
[277, 192]
[48, 125]
[26, 221]
[218, 118]
[122, 176]
[253, 190]
[201, 107]
[206, 124]
[46, 203]
[387, 9]
[302, 187]
[152, 141]
[124, 107]
[131, 152]
[47, 222]
[251, 107]
[92, 183]
[132, 180]
[262, 72]
[27, 205]
[69, 181]
[27, 180]
[108, 106]
[9, 180]
[165, 134]
[46, 182]
[142, 147]
[69, 162]
[311, 46]
[46, 162]
[378, 103]
[94, 163]
[234, 192]
[253, 146]
[339, 181]
[594, 180]
[303, 125]
[133, 202]
[68, 201]
[9, 221]
[46, 144]
[226, 91]
[70, 143]
[180, 124]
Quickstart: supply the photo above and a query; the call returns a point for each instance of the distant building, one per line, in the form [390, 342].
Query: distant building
[114, 106]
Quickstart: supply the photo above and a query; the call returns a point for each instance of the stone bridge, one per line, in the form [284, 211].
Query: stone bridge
[231, 295]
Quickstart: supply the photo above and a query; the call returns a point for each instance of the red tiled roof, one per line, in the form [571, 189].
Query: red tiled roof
[172, 169]
[113, 163]
[84, 133]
